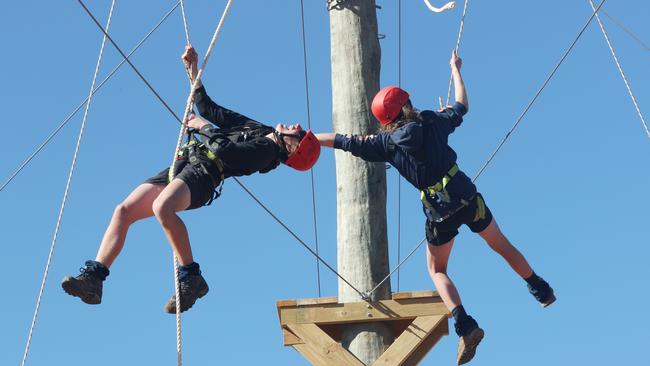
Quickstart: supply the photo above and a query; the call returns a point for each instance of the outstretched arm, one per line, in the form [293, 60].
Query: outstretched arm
[210, 110]
[459, 86]
[326, 139]
[369, 148]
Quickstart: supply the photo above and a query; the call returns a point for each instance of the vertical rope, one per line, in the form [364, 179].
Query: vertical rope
[308, 106]
[183, 128]
[67, 189]
[460, 34]
[187, 32]
[177, 283]
[177, 292]
[620, 70]
[399, 177]
[187, 36]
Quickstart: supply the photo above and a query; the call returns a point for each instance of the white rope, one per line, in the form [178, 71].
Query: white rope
[448, 6]
[460, 34]
[538, 93]
[183, 128]
[177, 288]
[187, 36]
[187, 32]
[620, 70]
[74, 112]
[65, 193]
[177, 292]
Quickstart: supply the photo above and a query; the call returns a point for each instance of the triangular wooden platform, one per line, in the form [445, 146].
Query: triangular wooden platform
[313, 327]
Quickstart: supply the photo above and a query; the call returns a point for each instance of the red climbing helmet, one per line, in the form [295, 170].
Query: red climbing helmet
[307, 153]
[388, 104]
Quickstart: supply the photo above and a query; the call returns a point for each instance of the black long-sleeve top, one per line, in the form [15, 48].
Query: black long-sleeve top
[419, 150]
[239, 141]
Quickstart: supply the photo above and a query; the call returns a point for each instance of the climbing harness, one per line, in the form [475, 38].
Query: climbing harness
[203, 159]
[438, 203]
[67, 188]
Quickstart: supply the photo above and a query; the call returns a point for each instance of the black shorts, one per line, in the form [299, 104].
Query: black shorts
[200, 183]
[476, 216]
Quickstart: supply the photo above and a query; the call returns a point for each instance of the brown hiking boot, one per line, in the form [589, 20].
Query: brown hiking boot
[88, 285]
[193, 287]
[467, 345]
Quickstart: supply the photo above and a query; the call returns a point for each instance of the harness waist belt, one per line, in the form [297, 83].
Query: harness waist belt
[189, 151]
[438, 203]
[440, 186]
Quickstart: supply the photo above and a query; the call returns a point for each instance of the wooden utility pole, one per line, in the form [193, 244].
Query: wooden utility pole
[361, 186]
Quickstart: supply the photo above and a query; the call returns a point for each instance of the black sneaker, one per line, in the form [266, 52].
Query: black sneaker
[192, 287]
[543, 293]
[88, 285]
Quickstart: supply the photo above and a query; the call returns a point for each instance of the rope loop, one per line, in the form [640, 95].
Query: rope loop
[448, 6]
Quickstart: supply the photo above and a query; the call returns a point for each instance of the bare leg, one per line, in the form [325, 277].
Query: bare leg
[437, 258]
[135, 207]
[500, 244]
[174, 198]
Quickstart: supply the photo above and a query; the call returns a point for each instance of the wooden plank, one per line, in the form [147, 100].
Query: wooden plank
[290, 339]
[318, 301]
[285, 303]
[409, 340]
[363, 312]
[319, 348]
[414, 294]
[442, 329]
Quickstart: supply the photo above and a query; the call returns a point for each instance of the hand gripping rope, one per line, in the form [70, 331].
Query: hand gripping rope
[178, 119]
[188, 108]
[448, 6]
[544, 84]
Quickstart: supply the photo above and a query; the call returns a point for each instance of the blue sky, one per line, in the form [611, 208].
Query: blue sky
[569, 188]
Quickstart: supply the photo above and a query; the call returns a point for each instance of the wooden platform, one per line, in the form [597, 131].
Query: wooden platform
[313, 326]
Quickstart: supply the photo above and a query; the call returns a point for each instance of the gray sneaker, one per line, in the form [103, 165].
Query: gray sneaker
[87, 286]
[192, 287]
[467, 345]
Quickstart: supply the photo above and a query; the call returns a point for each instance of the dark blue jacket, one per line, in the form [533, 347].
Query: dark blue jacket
[419, 150]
